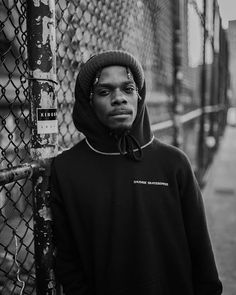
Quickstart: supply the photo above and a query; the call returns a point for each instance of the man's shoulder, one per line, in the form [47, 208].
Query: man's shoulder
[163, 147]
[68, 156]
[168, 152]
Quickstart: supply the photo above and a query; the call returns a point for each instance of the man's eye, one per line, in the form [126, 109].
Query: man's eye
[103, 92]
[129, 89]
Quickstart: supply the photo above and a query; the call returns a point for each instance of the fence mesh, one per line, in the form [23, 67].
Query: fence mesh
[92, 26]
[83, 28]
[16, 226]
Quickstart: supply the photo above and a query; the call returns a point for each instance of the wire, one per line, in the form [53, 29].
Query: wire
[17, 264]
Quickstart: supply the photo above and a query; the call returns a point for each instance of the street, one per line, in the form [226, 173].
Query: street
[220, 203]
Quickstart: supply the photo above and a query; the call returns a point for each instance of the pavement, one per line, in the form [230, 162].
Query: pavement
[219, 196]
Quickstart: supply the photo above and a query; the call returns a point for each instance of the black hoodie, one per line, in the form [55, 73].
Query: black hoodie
[124, 226]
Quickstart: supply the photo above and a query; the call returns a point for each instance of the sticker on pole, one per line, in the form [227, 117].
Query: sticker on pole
[47, 121]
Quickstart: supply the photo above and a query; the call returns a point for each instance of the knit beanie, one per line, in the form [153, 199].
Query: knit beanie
[99, 61]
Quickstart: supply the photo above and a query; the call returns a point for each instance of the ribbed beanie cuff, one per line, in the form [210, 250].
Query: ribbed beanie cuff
[97, 62]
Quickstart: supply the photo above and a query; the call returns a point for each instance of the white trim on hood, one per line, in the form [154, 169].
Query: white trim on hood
[115, 154]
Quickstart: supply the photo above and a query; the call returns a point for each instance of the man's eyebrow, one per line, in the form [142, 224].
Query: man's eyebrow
[109, 85]
[130, 83]
[103, 85]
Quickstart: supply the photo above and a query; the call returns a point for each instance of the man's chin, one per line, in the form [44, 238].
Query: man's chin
[121, 128]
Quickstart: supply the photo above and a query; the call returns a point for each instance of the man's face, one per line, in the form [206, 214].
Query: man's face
[115, 99]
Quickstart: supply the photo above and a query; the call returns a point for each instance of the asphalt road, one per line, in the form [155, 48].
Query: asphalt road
[220, 204]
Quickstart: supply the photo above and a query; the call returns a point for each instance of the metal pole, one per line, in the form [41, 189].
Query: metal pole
[23, 171]
[43, 110]
[201, 138]
[212, 137]
[177, 78]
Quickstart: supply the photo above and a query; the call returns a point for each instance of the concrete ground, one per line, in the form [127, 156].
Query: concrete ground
[220, 203]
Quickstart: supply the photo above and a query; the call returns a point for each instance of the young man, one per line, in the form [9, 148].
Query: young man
[128, 212]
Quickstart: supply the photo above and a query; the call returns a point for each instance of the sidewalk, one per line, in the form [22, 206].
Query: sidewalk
[220, 203]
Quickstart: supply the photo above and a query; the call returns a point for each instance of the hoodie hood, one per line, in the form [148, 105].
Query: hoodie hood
[99, 137]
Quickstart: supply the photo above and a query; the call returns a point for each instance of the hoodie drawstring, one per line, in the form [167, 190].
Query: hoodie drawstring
[128, 145]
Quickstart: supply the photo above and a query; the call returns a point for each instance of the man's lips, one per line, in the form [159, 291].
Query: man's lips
[120, 112]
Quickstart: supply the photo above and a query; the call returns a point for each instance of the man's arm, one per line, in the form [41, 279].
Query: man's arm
[205, 275]
[68, 264]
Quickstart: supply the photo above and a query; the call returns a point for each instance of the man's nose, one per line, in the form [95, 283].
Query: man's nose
[118, 97]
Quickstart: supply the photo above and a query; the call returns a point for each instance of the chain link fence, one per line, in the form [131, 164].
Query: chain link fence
[206, 80]
[93, 26]
[83, 28]
[16, 225]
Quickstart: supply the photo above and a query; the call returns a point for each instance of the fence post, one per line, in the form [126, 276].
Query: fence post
[201, 137]
[177, 75]
[43, 107]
